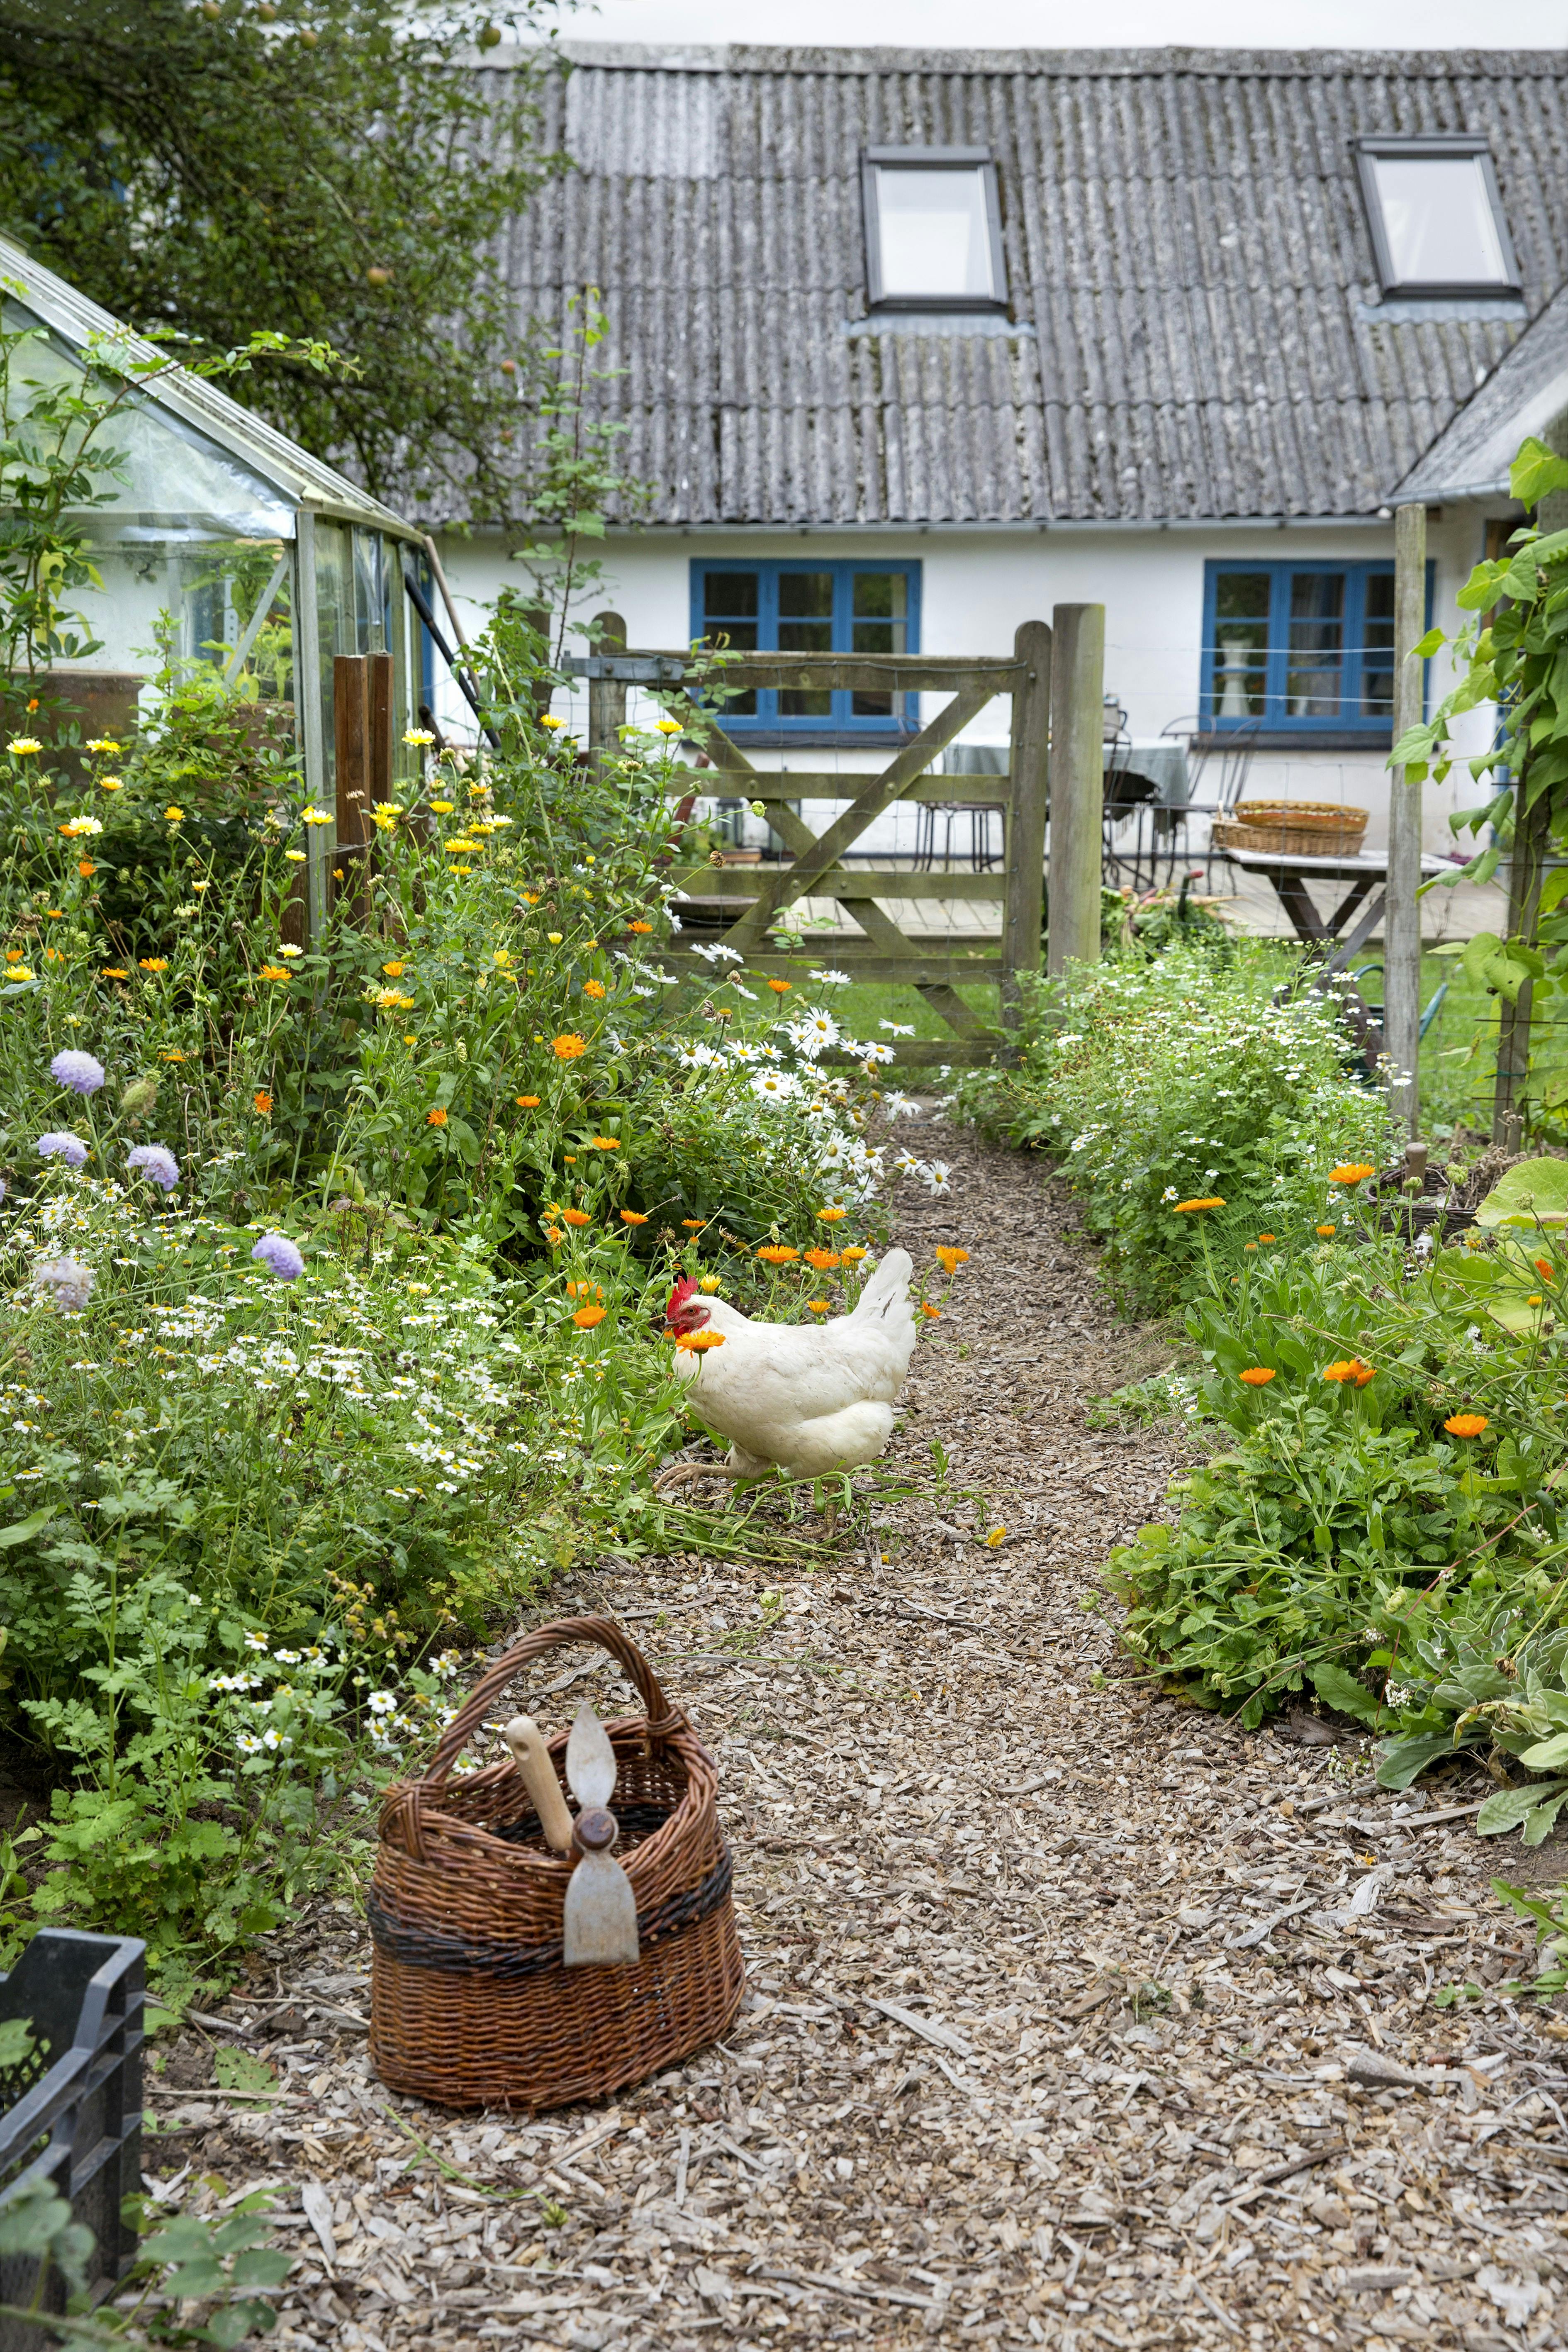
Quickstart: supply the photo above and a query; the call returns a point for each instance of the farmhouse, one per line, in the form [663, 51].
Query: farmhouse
[915, 345]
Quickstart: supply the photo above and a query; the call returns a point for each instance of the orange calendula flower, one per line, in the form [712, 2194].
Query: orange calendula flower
[1351, 1369]
[1326, 1232]
[86, 867]
[528, 1102]
[1267, 1237]
[820, 1306]
[777, 1254]
[161, 964]
[781, 987]
[571, 1047]
[170, 1054]
[1249, 1246]
[605, 1143]
[1210, 1201]
[1544, 1267]
[553, 1233]
[395, 970]
[267, 971]
[697, 1343]
[950, 1260]
[262, 1104]
[830, 1216]
[435, 1117]
[926, 1308]
[693, 1225]
[577, 1216]
[633, 1217]
[823, 1260]
[587, 1317]
[114, 972]
[853, 1254]
[1256, 1376]
[585, 1290]
[1352, 1172]
[593, 988]
[1465, 1425]
[642, 928]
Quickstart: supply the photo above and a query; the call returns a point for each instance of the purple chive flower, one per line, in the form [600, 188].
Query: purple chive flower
[62, 1144]
[65, 1281]
[277, 1252]
[159, 1165]
[82, 1073]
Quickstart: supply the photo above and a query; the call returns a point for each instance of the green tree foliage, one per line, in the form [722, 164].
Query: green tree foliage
[332, 168]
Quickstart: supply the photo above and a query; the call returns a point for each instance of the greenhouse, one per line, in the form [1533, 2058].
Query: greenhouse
[265, 562]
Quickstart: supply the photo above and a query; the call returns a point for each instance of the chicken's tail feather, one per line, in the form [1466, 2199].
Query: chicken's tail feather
[887, 1289]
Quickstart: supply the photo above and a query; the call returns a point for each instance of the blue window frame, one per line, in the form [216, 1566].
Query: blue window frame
[810, 607]
[1304, 649]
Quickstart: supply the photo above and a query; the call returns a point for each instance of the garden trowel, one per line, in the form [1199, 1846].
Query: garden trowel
[601, 1925]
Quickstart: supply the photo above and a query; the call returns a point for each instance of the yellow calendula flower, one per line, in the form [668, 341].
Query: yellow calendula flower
[22, 747]
[443, 808]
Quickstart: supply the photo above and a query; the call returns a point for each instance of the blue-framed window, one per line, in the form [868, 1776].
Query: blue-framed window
[1305, 649]
[810, 607]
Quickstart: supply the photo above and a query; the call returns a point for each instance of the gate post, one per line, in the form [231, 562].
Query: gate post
[1029, 754]
[1077, 784]
[1402, 918]
[606, 696]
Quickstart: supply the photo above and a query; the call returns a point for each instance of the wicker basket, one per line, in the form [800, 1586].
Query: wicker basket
[1295, 828]
[470, 2003]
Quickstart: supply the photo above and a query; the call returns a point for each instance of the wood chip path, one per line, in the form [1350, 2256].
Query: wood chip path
[1075, 2017]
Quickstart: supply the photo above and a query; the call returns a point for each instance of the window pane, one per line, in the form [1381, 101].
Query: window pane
[805, 595]
[1240, 644]
[1438, 219]
[880, 613]
[730, 602]
[1377, 648]
[805, 626]
[935, 236]
[1316, 645]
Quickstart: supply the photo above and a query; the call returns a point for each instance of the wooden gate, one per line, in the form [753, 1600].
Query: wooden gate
[882, 951]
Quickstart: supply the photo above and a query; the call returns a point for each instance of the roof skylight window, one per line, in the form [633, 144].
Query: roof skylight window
[934, 232]
[1436, 219]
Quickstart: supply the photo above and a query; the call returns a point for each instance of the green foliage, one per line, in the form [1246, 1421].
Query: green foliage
[197, 2279]
[332, 165]
[1349, 1543]
[1515, 656]
[1179, 1080]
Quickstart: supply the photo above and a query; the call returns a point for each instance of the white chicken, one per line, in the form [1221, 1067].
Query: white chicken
[807, 1398]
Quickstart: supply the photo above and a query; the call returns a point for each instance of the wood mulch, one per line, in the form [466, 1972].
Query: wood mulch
[1075, 2017]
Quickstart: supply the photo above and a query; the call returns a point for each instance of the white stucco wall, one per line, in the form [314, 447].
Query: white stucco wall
[978, 585]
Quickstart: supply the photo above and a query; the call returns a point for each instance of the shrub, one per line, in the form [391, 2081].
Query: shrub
[1190, 1076]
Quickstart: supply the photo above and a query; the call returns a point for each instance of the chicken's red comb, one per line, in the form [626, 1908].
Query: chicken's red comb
[678, 1298]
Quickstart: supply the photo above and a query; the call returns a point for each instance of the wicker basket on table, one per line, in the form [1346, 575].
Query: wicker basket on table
[1293, 828]
[470, 2002]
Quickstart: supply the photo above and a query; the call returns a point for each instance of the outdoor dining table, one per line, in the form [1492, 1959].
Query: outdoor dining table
[1364, 872]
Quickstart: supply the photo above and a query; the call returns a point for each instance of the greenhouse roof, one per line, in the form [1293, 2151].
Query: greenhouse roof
[259, 459]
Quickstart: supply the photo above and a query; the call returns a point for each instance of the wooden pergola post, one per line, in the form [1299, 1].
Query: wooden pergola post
[1077, 784]
[1402, 918]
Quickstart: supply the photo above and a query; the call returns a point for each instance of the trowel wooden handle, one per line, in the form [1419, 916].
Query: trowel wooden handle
[531, 1757]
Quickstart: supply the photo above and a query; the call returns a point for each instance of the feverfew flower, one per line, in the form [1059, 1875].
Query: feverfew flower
[277, 1252]
[156, 1163]
[65, 1282]
[60, 1144]
[82, 1073]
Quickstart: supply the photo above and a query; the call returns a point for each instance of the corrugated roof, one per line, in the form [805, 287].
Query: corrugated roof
[1526, 393]
[1199, 327]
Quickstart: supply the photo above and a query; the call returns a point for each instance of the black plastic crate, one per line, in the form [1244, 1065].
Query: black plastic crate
[72, 2115]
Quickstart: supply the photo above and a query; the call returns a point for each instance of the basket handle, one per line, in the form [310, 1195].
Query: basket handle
[662, 1719]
